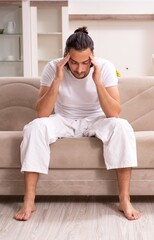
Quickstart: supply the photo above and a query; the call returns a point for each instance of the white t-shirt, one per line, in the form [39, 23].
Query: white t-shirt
[77, 98]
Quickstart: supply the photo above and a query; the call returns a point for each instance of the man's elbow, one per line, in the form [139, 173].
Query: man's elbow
[114, 114]
[41, 113]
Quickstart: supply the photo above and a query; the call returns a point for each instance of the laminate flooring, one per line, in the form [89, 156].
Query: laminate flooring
[76, 218]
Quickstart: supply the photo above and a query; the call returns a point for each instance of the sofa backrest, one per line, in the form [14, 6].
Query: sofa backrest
[137, 99]
[18, 98]
[17, 102]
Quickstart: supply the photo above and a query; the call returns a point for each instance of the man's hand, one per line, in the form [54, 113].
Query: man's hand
[108, 97]
[97, 72]
[60, 67]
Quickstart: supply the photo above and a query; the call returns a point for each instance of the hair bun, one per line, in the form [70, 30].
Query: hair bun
[81, 29]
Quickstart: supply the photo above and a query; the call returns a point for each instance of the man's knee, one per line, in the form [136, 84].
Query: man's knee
[123, 124]
[36, 125]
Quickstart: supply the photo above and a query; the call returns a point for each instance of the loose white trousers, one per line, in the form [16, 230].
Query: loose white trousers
[116, 134]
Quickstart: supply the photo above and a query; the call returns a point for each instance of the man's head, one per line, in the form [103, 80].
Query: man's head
[80, 47]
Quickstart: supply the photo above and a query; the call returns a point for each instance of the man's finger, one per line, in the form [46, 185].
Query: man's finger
[93, 61]
[65, 59]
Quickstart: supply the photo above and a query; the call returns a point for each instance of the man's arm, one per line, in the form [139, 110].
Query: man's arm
[46, 99]
[48, 95]
[108, 97]
[109, 100]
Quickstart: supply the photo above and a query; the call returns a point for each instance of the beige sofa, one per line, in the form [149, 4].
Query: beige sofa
[77, 165]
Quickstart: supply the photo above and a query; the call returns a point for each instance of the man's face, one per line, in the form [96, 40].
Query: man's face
[79, 62]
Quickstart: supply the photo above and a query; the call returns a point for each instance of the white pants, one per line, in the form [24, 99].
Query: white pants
[116, 134]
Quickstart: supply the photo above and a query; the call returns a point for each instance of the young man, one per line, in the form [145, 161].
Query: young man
[83, 92]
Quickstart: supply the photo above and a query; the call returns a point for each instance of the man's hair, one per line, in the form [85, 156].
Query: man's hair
[79, 40]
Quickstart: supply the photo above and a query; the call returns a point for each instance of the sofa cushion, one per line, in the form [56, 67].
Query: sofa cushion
[84, 152]
[17, 102]
[137, 99]
[18, 96]
[10, 149]
[66, 153]
[145, 148]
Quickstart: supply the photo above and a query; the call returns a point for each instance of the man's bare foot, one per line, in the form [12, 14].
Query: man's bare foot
[25, 212]
[128, 210]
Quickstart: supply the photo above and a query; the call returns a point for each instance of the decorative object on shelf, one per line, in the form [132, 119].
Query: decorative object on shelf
[1, 30]
[10, 58]
[10, 27]
[118, 73]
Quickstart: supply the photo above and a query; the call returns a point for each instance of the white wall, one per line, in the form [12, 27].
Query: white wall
[128, 44]
[110, 6]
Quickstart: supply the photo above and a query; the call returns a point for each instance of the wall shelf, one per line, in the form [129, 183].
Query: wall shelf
[11, 34]
[111, 17]
[49, 2]
[11, 2]
[44, 60]
[49, 33]
[11, 61]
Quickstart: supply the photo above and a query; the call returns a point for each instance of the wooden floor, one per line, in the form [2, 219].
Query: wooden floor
[76, 218]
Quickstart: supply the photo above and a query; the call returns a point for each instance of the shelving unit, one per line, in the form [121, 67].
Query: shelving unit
[12, 47]
[49, 34]
[47, 24]
[11, 44]
[39, 36]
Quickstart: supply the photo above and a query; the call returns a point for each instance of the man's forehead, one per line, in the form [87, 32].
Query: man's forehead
[80, 60]
[80, 56]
